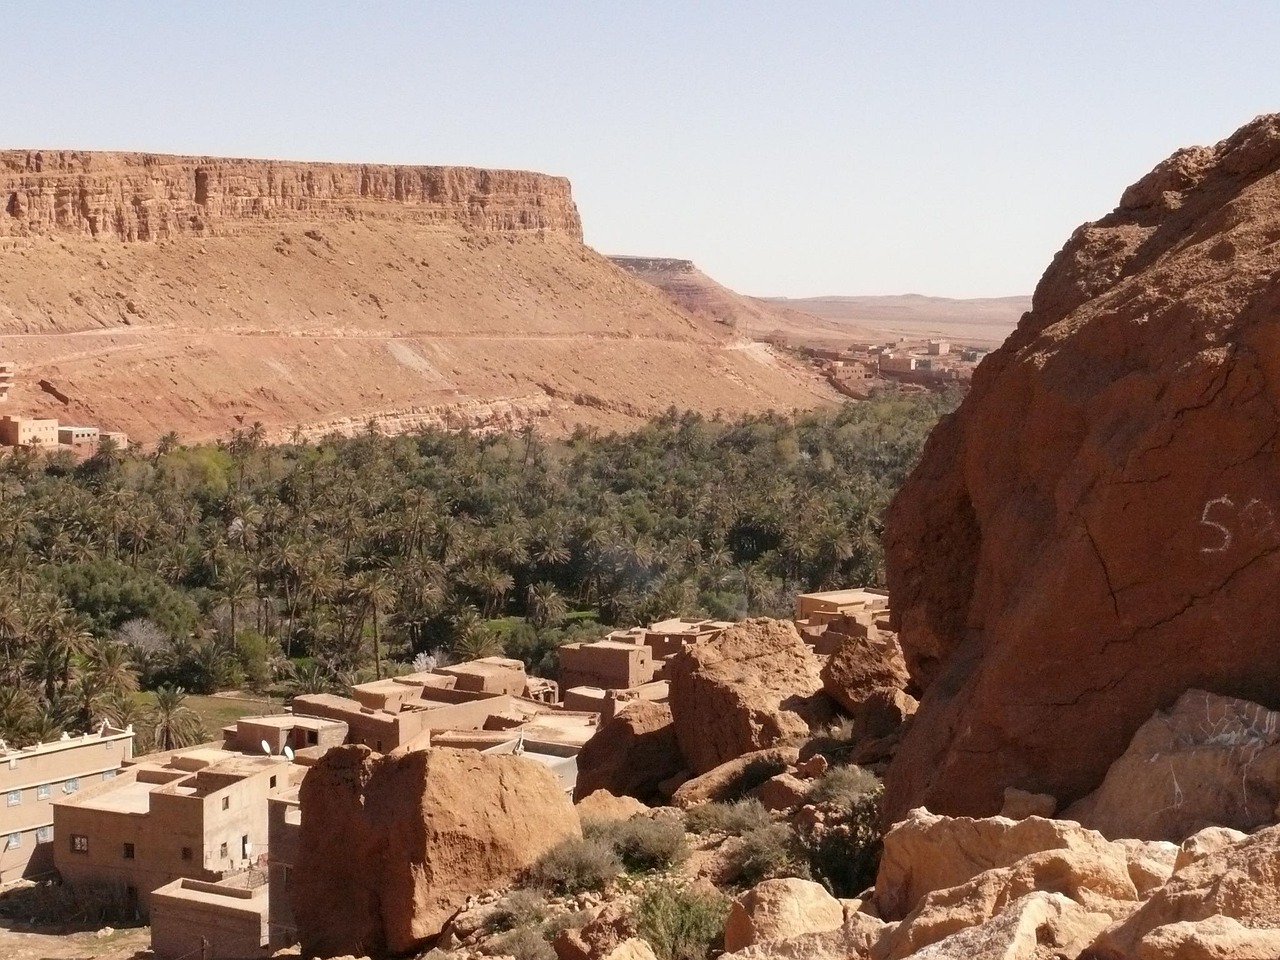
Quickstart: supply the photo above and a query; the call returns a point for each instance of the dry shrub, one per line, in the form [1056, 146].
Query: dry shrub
[575, 866]
[641, 843]
[731, 818]
[842, 786]
[681, 924]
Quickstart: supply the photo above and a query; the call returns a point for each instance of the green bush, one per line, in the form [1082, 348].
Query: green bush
[641, 843]
[843, 786]
[519, 908]
[844, 857]
[768, 853]
[574, 866]
[681, 924]
[732, 818]
[523, 943]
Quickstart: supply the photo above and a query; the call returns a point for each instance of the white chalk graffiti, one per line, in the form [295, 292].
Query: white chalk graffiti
[1255, 520]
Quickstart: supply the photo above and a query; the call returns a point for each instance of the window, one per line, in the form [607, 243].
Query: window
[222, 851]
[128, 851]
[14, 841]
[273, 783]
[44, 834]
[108, 774]
[286, 874]
[13, 798]
[186, 853]
[79, 843]
[226, 803]
[71, 786]
[312, 738]
[43, 791]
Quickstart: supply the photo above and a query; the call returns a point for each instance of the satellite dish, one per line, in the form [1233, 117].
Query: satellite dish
[266, 748]
[288, 752]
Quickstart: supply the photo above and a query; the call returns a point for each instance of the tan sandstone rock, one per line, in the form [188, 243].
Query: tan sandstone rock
[1019, 804]
[631, 949]
[630, 754]
[783, 792]
[754, 686]
[1037, 926]
[1095, 530]
[391, 847]
[1200, 845]
[608, 927]
[1240, 881]
[1214, 938]
[721, 782]
[1208, 761]
[926, 852]
[603, 805]
[781, 910]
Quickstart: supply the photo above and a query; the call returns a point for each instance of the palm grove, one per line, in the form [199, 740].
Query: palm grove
[312, 566]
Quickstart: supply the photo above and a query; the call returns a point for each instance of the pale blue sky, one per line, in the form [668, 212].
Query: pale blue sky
[885, 146]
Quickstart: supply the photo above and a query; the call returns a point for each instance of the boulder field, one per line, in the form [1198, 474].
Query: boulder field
[1096, 530]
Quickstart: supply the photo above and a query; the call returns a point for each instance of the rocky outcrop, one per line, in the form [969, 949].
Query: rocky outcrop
[1094, 531]
[867, 676]
[1035, 926]
[754, 686]
[603, 805]
[781, 910]
[630, 754]
[141, 197]
[1210, 761]
[392, 846]
[733, 778]
[1240, 882]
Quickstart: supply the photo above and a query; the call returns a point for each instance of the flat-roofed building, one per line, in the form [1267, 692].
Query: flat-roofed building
[815, 609]
[609, 664]
[380, 730]
[78, 437]
[7, 371]
[119, 438]
[284, 828]
[488, 675]
[32, 778]
[28, 432]
[226, 920]
[199, 814]
[893, 363]
[278, 731]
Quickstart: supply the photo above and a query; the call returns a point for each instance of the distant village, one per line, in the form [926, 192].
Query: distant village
[202, 840]
[921, 365]
[44, 433]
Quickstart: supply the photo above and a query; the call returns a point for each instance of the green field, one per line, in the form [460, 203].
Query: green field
[218, 712]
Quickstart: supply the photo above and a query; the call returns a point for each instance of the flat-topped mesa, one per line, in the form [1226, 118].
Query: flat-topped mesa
[143, 196]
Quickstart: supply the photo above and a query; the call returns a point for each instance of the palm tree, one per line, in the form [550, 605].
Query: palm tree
[546, 606]
[167, 443]
[236, 586]
[310, 678]
[171, 723]
[374, 589]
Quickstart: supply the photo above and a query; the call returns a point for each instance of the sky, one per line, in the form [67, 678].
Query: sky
[789, 149]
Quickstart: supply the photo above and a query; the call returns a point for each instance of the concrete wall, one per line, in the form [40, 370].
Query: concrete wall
[610, 666]
[284, 819]
[191, 919]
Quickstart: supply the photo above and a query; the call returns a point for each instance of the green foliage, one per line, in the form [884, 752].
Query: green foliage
[576, 866]
[641, 843]
[519, 908]
[357, 551]
[681, 924]
[845, 855]
[843, 786]
[768, 853]
[736, 819]
[524, 943]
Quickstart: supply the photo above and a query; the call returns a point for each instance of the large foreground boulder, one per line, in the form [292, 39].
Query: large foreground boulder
[867, 676]
[1094, 531]
[630, 754]
[1240, 882]
[754, 686]
[392, 846]
[781, 909]
[1210, 761]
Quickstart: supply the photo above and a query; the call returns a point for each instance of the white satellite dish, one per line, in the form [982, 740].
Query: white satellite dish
[288, 752]
[266, 748]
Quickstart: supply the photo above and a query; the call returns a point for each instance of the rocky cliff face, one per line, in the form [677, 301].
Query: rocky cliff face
[1097, 529]
[140, 197]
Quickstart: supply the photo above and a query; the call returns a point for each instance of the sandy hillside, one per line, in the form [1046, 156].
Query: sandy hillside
[192, 294]
[979, 322]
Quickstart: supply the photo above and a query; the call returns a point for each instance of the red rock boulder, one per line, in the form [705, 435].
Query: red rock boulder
[754, 686]
[1096, 530]
[630, 754]
[392, 846]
